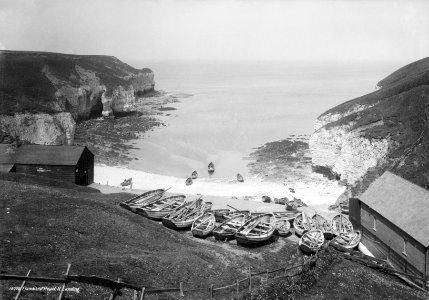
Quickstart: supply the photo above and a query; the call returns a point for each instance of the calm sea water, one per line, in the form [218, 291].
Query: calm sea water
[236, 107]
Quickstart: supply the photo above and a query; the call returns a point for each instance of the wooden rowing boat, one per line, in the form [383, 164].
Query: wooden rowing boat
[211, 168]
[240, 178]
[183, 219]
[188, 181]
[324, 225]
[194, 175]
[228, 228]
[142, 199]
[311, 241]
[346, 242]
[162, 207]
[257, 230]
[302, 224]
[203, 225]
[341, 224]
[287, 215]
[232, 214]
[282, 227]
[127, 182]
[219, 213]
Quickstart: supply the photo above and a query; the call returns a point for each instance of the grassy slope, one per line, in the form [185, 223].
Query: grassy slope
[402, 105]
[45, 225]
[24, 87]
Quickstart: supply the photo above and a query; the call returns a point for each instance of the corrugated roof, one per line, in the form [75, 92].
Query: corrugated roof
[401, 202]
[48, 155]
[7, 153]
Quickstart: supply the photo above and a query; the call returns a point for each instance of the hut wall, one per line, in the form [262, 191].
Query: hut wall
[391, 242]
[65, 173]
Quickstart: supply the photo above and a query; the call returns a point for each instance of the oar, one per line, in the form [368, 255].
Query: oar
[232, 207]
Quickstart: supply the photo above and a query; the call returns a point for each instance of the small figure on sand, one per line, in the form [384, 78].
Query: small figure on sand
[194, 175]
[127, 182]
[188, 181]
[240, 178]
[211, 168]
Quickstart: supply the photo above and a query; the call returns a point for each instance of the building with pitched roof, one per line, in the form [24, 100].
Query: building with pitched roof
[68, 163]
[393, 216]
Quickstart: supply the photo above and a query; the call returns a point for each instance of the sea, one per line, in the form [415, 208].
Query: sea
[225, 110]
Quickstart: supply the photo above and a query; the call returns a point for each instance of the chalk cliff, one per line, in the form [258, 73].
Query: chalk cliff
[34, 85]
[355, 142]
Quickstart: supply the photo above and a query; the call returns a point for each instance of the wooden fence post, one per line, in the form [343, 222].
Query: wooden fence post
[22, 286]
[116, 290]
[238, 286]
[211, 291]
[60, 297]
[142, 294]
[267, 275]
[181, 294]
[250, 279]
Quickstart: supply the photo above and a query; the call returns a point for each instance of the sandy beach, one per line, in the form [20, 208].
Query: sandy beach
[222, 192]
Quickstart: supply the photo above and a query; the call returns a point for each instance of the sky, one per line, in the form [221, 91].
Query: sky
[352, 30]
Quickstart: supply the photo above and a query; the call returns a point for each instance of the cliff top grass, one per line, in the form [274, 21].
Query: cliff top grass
[25, 88]
[45, 226]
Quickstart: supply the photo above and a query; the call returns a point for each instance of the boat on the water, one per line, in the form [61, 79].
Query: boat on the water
[257, 230]
[324, 225]
[219, 213]
[162, 207]
[302, 224]
[347, 241]
[203, 225]
[194, 175]
[189, 181]
[142, 199]
[228, 228]
[282, 227]
[184, 217]
[311, 241]
[211, 168]
[240, 177]
[341, 224]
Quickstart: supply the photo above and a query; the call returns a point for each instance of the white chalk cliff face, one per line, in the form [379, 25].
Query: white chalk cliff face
[41, 129]
[357, 141]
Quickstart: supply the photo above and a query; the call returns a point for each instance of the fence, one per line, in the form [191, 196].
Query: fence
[139, 292]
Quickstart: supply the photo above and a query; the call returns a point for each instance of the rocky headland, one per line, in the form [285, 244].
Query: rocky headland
[44, 94]
[388, 129]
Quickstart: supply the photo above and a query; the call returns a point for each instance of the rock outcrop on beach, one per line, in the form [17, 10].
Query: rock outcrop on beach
[83, 86]
[355, 142]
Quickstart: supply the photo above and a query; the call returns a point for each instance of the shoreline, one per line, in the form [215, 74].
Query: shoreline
[318, 196]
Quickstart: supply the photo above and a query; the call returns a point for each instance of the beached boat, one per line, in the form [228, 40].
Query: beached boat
[211, 168]
[219, 213]
[288, 215]
[341, 224]
[257, 230]
[142, 199]
[281, 201]
[203, 225]
[183, 219]
[162, 207]
[311, 241]
[127, 182]
[347, 241]
[189, 181]
[302, 224]
[324, 225]
[194, 175]
[228, 228]
[240, 178]
[232, 214]
[282, 227]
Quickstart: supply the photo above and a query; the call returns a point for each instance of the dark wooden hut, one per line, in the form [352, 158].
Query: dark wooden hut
[68, 163]
[393, 216]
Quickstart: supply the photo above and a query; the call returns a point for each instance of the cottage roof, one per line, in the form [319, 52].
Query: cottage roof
[7, 153]
[401, 202]
[49, 155]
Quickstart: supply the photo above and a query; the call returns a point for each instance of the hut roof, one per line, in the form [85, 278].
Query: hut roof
[49, 155]
[401, 202]
[5, 168]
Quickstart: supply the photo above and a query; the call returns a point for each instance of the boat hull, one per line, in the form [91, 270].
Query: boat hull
[202, 232]
[253, 240]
